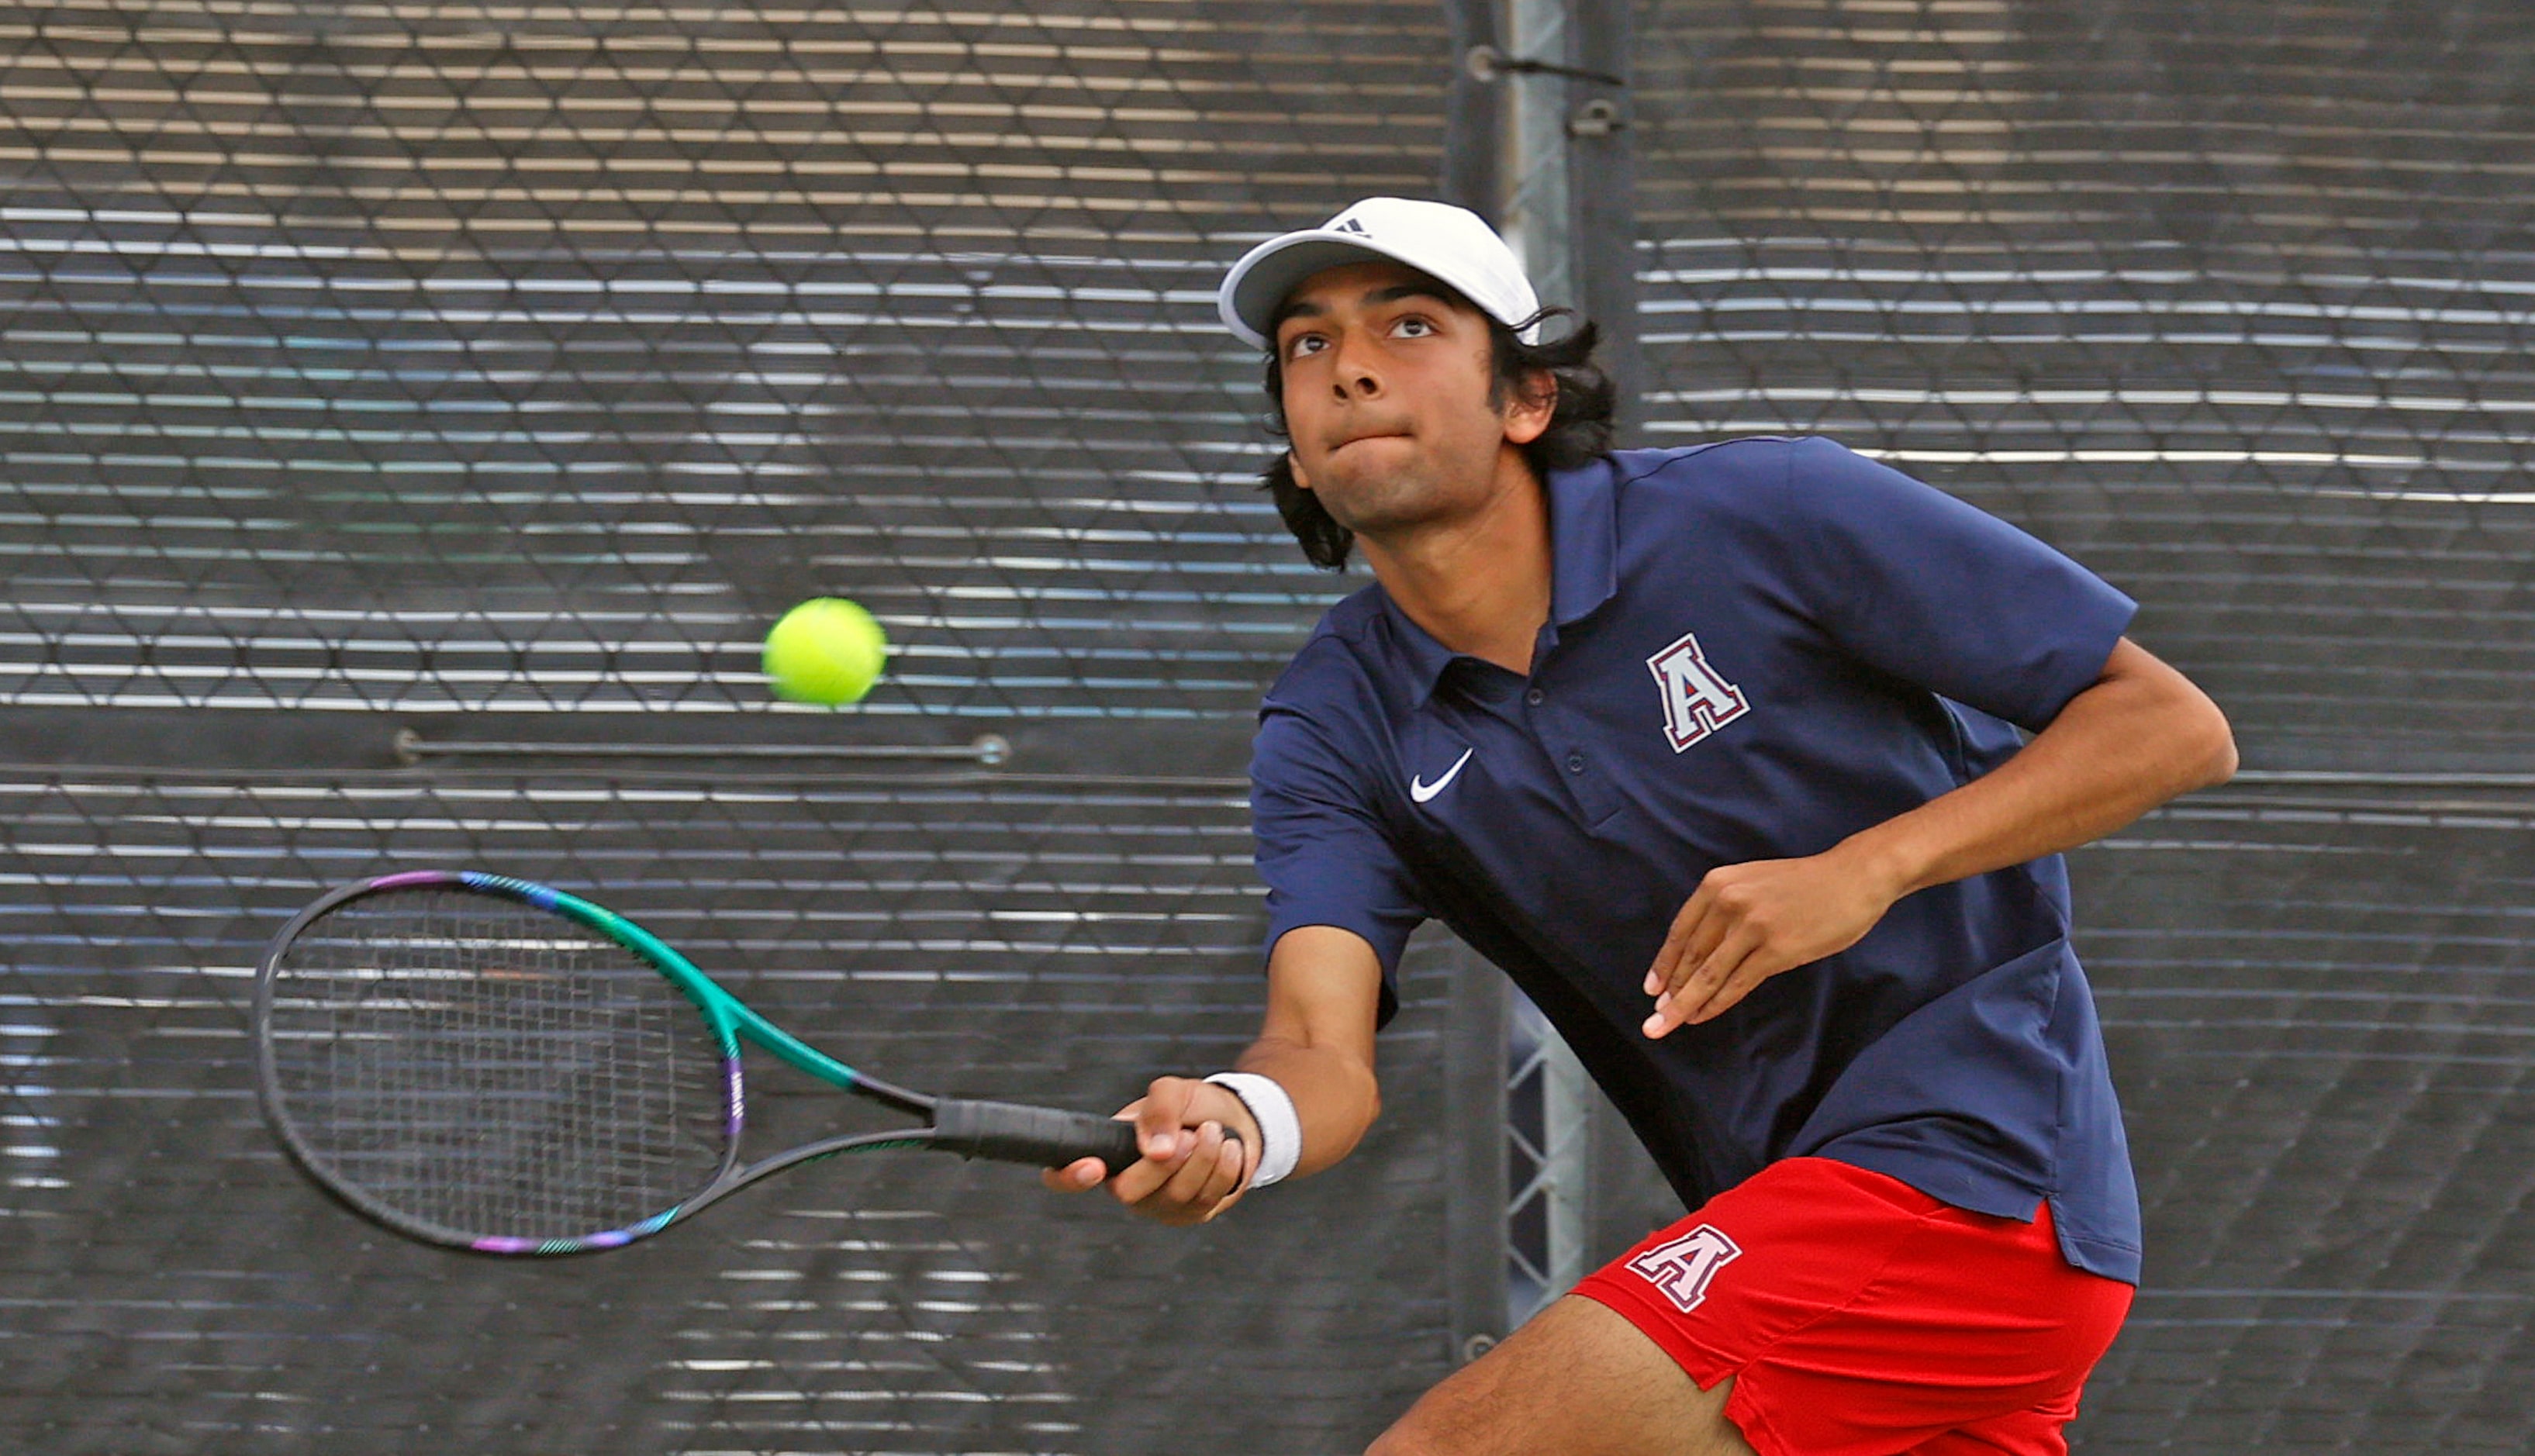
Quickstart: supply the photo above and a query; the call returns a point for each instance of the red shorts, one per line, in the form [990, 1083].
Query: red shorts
[1861, 1318]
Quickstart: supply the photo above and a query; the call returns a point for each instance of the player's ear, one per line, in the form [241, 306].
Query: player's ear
[1529, 410]
[1294, 471]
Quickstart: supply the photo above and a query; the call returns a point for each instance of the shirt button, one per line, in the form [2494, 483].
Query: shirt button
[1576, 762]
[1534, 697]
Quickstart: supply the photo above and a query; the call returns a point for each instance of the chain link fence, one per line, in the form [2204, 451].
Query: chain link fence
[414, 415]
[2231, 302]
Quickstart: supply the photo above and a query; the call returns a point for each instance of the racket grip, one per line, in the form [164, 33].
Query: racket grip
[1014, 1132]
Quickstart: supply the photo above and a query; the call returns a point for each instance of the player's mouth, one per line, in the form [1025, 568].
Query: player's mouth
[1359, 437]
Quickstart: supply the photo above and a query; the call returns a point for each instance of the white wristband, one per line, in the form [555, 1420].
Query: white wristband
[1280, 1132]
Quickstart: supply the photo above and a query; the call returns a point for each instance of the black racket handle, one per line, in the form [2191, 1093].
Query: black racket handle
[1046, 1136]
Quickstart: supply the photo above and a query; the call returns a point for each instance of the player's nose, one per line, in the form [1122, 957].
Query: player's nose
[1355, 383]
[1345, 389]
[1352, 375]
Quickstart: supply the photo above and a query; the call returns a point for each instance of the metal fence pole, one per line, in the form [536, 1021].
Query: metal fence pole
[1473, 109]
[1600, 130]
[1540, 141]
[1628, 1196]
[1474, 1058]
[1551, 1102]
[1474, 1154]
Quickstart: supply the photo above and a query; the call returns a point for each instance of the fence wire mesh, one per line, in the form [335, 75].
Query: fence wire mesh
[2230, 301]
[493, 374]
[174, 1288]
[385, 382]
[432, 359]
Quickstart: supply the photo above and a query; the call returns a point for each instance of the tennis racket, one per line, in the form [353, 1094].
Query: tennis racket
[485, 1063]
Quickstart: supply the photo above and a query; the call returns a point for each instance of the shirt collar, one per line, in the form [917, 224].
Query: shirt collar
[1584, 525]
[1582, 577]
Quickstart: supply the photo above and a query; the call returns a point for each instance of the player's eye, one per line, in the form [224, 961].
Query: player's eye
[1412, 327]
[1303, 344]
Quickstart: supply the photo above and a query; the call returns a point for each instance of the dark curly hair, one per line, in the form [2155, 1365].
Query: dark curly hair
[1579, 428]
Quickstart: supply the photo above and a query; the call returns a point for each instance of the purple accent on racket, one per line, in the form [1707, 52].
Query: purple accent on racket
[611, 1238]
[736, 1098]
[410, 878]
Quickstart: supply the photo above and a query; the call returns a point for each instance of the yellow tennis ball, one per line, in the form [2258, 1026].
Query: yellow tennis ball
[827, 649]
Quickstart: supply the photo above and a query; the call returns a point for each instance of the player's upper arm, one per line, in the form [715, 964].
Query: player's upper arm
[1323, 852]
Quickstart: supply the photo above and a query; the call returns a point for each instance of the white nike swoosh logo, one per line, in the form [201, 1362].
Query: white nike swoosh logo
[1421, 791]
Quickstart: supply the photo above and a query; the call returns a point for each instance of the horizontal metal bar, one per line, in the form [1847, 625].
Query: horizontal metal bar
[989, 749]
[2306, 778]
[2423, 812]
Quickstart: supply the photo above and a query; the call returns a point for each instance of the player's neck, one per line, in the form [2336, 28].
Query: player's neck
[1478, 583]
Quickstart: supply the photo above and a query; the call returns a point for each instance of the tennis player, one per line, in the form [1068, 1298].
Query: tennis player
[1716, 752]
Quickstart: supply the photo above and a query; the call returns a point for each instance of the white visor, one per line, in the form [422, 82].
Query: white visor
[1449, 244]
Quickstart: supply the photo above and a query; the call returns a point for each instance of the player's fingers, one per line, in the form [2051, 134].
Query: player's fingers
[1141, 1179]
[1738, 949]
[1075, 1177]
[1198, 1179]
[1162, 1115]
[1685, 924]
[1735, 990]
[1681, 1003]
[1731, 903]
[1718, 960]
[1668, 959]
[1231, 1170]
[1180, 1195]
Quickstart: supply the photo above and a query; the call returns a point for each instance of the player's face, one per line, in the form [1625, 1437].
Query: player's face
[1387, 385]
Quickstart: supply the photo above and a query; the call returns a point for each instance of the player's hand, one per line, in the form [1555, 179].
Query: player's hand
[1747, 923]
[1190, 1171]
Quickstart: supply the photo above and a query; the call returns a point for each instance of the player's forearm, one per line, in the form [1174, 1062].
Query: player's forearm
[1335, 1093]
[1324, 997]
[2141, 735]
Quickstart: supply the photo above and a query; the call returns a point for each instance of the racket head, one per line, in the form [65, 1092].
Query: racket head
[490, 1064]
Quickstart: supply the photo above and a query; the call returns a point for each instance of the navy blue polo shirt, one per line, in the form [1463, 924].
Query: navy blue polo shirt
[1754, 650]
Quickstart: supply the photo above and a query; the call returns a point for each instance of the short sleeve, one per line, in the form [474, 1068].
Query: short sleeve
[1912, 581]
[1320, 847]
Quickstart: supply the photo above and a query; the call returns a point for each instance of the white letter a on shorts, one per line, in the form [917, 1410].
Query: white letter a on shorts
[1681, 1269]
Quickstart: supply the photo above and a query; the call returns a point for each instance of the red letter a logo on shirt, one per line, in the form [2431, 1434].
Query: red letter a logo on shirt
[1697, 699]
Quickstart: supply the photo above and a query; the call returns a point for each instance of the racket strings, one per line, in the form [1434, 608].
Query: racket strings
[491, 1071]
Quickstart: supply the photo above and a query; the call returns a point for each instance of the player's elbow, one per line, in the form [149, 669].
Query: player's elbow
[2206, 744]
[2222, 762]
[2177, 738]
[2187, 741]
